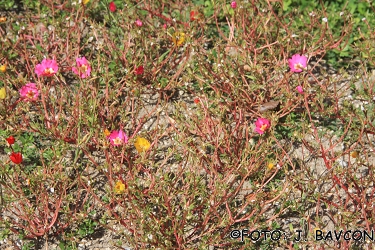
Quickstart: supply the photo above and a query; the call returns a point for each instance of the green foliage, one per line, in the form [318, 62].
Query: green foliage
[359, 15]
[28, 246]
[87, 227]
[207, 170]
[8, 4]
[4, 233]
[67, 245]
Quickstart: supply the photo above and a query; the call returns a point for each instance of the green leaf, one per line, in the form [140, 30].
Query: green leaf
[112, 65]
[38, 47]
[286, 5]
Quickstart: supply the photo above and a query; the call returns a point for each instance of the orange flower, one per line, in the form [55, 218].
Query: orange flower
[354, 154]
[3, 68]
[106, 133]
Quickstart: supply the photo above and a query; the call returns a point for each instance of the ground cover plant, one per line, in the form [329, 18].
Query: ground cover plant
[186, 124]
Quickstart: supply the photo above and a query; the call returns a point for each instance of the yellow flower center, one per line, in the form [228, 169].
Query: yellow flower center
[117, 141]
[30, 94]
[49, 71]
[263, 127]
[298, 66]
[83, 68]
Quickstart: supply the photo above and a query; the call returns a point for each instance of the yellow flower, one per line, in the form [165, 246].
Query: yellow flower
[3, 93]
[319, 231]
[85, 2]
[354, 154]
[270, 166]
[3, 68]
[141, 144]
[3, 19]
[119, 187]
[178, 38]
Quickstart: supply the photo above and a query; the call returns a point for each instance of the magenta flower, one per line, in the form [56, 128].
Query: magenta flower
[29, 92]
[297, 63]
[138, 23]
[83, 67]
[46, 68]
[118, 138]
[261, 125]
[299, 89]
[233, 4]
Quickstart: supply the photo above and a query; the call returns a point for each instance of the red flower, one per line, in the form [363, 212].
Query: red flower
[192, 14]
[195, 15]
[112, 6]
[10, 140]
[16, 157]
[196, 100]
[139, 70]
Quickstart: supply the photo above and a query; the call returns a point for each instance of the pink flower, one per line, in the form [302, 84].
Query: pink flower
[139, 70]
[138, 23]
[83, 67]
[29, 92]
[233, 4]
[165, 26]
[261, 125]
[118, 138]
[297, 63]
[46, 68]
[112, 6]
[299, 89]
